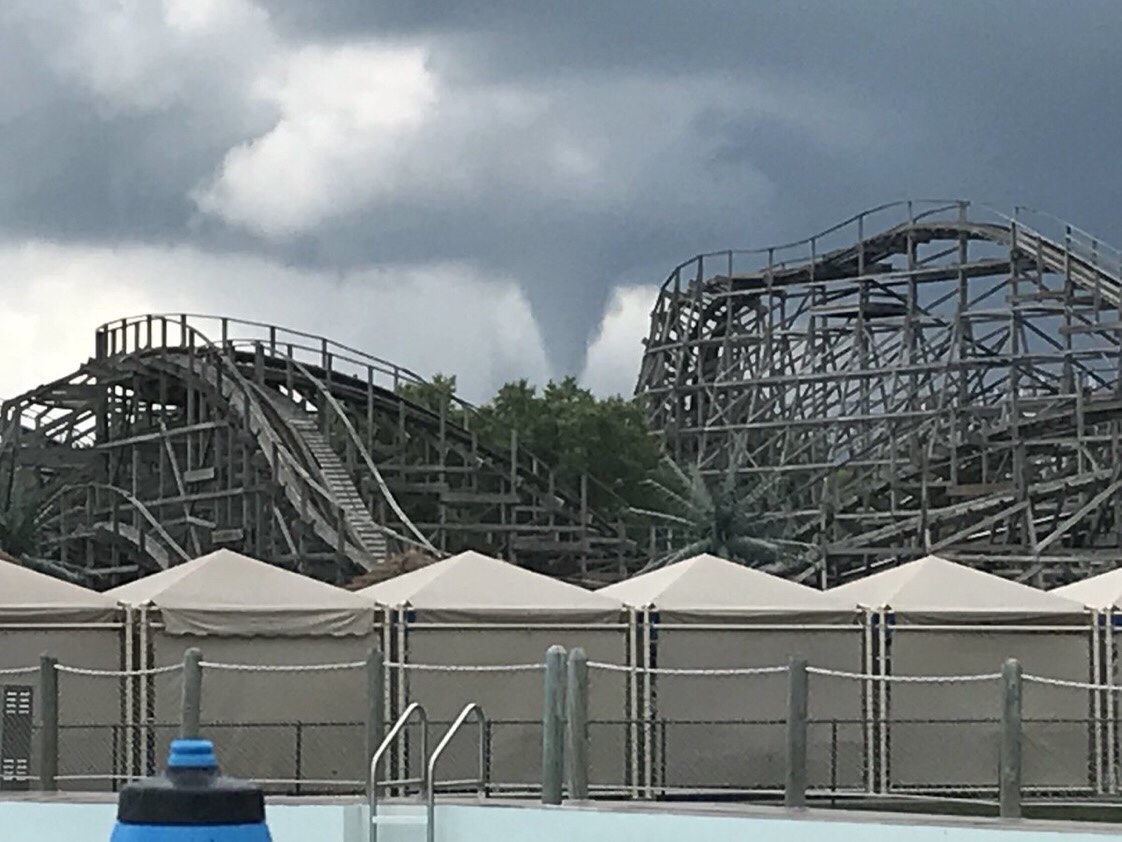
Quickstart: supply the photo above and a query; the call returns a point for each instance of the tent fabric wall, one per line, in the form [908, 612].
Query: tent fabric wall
[471, 610]
[513, 701]
[740, 741]
[947, 735]
[80, 628]
[728, 731]
[933, 617]
[1102, 595]
[271, 726]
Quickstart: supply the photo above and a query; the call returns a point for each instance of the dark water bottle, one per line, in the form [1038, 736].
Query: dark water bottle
[191, 802]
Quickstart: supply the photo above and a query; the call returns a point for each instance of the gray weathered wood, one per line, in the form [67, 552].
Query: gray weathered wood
[190, 722]
[576, 724]
[48, 726]
[1010, 775]
[798, 691]
[553, 727]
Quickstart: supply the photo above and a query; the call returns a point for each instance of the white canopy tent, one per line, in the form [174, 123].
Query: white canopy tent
[710, 613]
[933, 617]
[471, 610]
[39, 615]
[272, 726]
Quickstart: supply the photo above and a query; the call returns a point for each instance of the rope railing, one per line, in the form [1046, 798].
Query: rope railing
[346, 665]
[1075, 685]
[905, 679]
[283, 741]
[63, 668]
[406, 665]
[19, 670]
[687, 671]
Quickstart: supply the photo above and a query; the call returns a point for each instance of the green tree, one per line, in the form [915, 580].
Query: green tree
[437, 395]
[565, 426]
[576, 433]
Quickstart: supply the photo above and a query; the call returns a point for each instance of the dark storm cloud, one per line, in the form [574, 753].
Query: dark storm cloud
[78, 165]
[1010, 102]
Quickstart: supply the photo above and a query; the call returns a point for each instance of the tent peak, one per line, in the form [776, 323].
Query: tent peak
[942, 588]
[479, 585]
[708, 583]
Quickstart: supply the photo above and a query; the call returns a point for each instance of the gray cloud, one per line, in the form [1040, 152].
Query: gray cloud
[571, 152]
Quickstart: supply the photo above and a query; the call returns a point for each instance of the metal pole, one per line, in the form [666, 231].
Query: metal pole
[798, 692]
[1111, 707]
[553, 727]
[48, 731]
[1010, 778]
[576, 725]
[375, 707]
[192, 705]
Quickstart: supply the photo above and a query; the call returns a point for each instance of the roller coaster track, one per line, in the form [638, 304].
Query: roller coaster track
[948, 383]
[281, 444]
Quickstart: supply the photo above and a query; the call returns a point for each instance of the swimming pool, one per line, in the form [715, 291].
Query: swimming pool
[89, 818]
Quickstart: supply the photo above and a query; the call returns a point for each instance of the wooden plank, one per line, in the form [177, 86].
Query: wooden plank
[199, 474]
[479, 497]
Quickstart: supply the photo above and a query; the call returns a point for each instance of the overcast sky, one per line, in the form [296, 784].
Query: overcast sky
[495, 188]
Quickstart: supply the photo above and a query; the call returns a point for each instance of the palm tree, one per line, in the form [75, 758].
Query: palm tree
[728, 518]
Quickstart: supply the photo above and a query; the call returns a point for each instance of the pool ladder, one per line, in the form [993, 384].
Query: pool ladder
[427, 782]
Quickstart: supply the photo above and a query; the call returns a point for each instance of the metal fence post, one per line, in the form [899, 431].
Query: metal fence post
[375, 714]
[576, 724]
[48, 730]
[798, 692]
[190, 712]
[1010, 772]
[553, 727]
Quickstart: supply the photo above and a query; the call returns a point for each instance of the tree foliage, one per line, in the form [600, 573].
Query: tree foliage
[576, 433]
[437, 395]
[21, 507]
[571, 430]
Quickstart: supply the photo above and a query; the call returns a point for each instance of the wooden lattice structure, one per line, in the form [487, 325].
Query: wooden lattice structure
[186, 433]
[924, 377]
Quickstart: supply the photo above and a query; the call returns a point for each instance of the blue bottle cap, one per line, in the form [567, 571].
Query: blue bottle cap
[192, 754]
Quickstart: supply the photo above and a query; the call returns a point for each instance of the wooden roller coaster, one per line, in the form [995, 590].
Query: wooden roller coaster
[186, 433]
[924, 377]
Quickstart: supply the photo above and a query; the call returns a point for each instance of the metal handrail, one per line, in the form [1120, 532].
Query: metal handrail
[415, 708]
[470, 709]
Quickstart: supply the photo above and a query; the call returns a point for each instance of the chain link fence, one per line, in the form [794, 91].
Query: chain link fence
[838, 733]
[292, 728]
[676, 733]
[107, 732]
[1065, 754]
